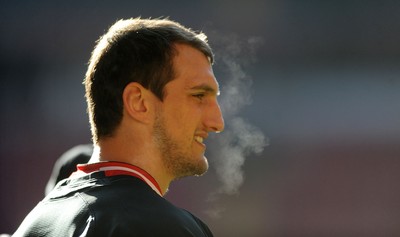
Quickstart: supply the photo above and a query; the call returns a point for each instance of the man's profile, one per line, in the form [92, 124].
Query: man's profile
[152, 101]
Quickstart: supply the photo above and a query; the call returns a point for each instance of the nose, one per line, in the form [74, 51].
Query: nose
[214, 120]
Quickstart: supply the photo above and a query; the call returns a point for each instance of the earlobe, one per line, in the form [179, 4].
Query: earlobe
[134, 101]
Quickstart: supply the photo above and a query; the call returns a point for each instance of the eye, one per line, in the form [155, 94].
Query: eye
[199, 96]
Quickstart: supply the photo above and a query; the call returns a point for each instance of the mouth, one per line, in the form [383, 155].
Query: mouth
[199, 139]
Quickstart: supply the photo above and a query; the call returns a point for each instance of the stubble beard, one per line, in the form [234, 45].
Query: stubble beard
[177, 159]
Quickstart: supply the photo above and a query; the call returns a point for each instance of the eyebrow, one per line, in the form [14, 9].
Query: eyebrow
[206, 88]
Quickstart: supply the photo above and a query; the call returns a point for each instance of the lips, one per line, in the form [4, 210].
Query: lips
[199, 139]
[200, 136]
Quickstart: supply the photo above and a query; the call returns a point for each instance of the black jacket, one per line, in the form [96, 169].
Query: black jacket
[97, 205]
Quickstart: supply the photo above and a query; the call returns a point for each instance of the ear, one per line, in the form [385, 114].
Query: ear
[136, 103]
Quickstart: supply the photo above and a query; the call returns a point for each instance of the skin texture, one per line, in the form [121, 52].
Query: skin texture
[166, 138]
[189, 111]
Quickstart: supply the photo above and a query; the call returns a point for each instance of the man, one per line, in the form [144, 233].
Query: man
[152, 100]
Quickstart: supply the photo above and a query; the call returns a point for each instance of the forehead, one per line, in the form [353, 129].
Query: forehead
[193, 69]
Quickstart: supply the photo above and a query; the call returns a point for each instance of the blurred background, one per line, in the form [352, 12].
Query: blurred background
[325, 92]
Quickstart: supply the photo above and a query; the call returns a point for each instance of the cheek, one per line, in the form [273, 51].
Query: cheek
[184, 126]
[183, 116]
[178, 111]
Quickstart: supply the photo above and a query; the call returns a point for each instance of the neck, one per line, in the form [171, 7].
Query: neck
[112, 151]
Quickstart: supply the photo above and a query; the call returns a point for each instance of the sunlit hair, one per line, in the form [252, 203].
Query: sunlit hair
[133, 50]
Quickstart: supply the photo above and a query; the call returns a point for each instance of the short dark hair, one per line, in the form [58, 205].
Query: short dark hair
[133, 50]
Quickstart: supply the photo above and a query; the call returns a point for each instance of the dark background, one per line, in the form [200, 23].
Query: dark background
[326, 92]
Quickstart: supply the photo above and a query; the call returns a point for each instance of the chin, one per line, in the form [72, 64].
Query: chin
[202, 166]
[198, 167]
[189, 166]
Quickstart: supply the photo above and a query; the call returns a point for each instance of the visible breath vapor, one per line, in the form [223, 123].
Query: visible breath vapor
[240, 139]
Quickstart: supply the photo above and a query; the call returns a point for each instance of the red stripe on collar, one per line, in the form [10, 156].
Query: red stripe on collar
[112, 168]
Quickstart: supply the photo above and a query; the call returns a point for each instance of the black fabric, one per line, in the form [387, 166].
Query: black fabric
[95, 205]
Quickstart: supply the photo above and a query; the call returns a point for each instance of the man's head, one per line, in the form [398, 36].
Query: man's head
[190, 111]
[152, 93]
[133, 50]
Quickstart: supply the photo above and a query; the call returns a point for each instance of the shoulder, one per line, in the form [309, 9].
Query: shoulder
[203, 226]
[123, 205]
